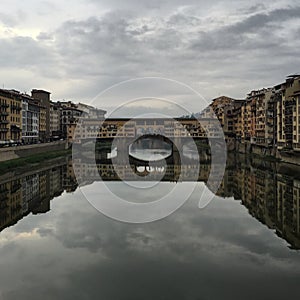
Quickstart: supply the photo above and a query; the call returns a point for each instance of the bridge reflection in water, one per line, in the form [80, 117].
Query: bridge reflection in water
[270, 191]
[150, 149]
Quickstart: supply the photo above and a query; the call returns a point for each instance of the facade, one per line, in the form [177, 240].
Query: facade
[30, 120]
[130, 128]
[261, 117]
[10, 116]
[287, 106]
[4, 116]
[92, 112]
[55, 120]
[296, 123]
[42, 123]
[44, 100]
[15, 117]
[69, 119]
[238, 120]
[267, 119]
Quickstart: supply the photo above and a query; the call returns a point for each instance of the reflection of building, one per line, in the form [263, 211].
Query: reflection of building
[10, 202]
[270, 191]
[271, 197]
[32, 191]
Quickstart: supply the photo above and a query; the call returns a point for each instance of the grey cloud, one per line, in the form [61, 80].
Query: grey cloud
[261, 20]
[23, 52]
[255, 32]
[45, 36]
[254, 8]
[97, 52]
[8, 20]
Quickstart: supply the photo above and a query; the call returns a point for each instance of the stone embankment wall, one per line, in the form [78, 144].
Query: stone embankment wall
[30, 150]
[247, 148]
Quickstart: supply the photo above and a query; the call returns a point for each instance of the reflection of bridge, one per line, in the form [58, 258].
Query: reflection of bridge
[90, 172]
[270, 191]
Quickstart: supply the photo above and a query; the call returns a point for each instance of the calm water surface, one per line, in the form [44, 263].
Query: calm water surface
[243, 245]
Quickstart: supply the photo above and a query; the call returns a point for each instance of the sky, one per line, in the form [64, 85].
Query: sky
[77, 49]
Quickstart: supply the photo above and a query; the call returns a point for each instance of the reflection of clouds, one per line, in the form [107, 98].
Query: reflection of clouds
[81, 253]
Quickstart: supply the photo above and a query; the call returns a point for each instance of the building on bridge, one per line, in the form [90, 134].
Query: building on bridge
[92, 129]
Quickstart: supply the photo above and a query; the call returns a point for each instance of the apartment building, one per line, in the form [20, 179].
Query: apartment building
[4, 116]
[30, 119]
[10, 115]
[262, 117]
[288, 113]
[69, 119]
[55, 120]
[296, 123]
[42, 123]
[238, 121]
[44, 101]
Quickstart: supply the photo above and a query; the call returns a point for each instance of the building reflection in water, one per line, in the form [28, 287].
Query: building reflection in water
[270, 191]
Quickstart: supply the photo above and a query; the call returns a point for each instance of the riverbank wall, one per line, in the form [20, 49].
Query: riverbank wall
[14, 152]
[290, 157]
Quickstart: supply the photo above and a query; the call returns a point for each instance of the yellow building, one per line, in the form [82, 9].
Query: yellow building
[4, 116]
[10, 115]
[42, 123]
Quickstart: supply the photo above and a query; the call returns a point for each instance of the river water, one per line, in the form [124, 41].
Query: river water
[244, 245]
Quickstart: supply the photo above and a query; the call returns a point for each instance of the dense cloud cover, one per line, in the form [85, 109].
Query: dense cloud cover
[79, 48]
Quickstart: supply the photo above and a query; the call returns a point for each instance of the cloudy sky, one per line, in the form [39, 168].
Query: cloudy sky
[76, 49]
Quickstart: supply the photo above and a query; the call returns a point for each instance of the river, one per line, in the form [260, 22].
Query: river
[245, 244]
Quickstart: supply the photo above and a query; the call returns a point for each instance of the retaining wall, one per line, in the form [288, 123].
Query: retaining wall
[30, 150]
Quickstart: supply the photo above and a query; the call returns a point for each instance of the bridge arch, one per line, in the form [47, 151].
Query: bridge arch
[150, 143]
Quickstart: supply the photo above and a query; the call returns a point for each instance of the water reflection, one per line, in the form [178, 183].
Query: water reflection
[270, 191]
[23, 192]
[150, 149]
